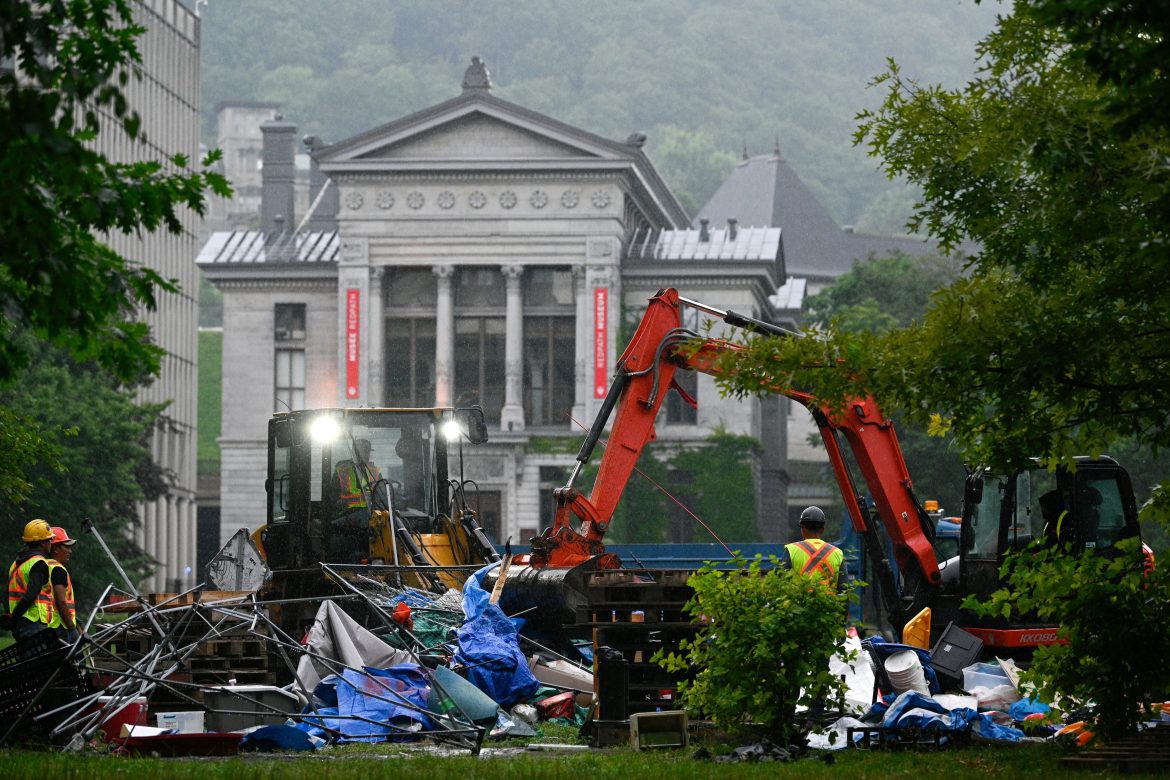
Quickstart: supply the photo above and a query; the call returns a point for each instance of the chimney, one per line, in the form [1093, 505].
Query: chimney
[704, 233]
[277, 177]
[323, 218]
[732, 228]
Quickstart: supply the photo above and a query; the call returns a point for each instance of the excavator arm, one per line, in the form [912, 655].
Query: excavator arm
[644, 374]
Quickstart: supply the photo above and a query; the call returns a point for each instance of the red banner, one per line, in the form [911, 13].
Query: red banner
[600, 346]
[353, 332]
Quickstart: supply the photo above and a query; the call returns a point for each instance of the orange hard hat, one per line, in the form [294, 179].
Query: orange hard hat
[61, 536]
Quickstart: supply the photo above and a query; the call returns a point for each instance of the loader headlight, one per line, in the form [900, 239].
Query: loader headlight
[324, 429]
[452, 430]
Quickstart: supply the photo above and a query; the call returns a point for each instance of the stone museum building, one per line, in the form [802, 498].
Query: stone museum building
[475, 252]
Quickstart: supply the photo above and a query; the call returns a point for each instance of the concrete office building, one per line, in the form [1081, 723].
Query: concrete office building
[167, 98]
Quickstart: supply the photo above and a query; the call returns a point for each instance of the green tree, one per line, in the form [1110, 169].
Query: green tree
[693, 164]
[70, 63]
[880, 294]
[92, 462]
[720, 486]
[1056, 342]
[767, 635]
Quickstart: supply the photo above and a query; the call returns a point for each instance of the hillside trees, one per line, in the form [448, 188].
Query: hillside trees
[1056, 341]
[739, 72]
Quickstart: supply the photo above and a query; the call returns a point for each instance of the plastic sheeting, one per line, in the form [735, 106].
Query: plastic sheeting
[489, 647]
[337, 636]
[371, 707]
[916, 711]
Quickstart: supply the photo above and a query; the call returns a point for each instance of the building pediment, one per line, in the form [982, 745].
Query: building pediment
[475, 130]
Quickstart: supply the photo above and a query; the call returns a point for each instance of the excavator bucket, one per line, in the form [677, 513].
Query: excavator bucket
[549, 599]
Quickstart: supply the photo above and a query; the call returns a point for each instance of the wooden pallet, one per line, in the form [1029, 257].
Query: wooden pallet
[1146, 751]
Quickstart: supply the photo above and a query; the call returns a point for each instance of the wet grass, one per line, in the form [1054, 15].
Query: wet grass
[509, 760]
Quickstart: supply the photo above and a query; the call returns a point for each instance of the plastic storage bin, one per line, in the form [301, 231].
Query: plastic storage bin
[956, 650]
[132, 714]
[190, 722]
[983, 675]
[244, 706]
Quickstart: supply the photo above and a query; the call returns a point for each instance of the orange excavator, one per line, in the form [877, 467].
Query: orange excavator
[1001, 513]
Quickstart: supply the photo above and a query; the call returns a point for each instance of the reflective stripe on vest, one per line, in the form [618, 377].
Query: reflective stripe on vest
[41, 610]
[818, 555]
[56, 620]
[349, 486]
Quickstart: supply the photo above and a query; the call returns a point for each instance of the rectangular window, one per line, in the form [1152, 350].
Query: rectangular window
[289, 322]
[410, 362]
[412, 288]
[551, 478]
[549, 355]
[678, 410]
[290, 380]
[479, 287]
[548, 287]
[479, 364]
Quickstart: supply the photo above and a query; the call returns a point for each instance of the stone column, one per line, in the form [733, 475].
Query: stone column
[193, 543]
[174, 534]
[584, 341]
[150, 538]
[512, 416]
[163, 528]
[376, 351]
[444, 337]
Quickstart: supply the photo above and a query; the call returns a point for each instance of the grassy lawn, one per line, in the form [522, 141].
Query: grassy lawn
[502, 761]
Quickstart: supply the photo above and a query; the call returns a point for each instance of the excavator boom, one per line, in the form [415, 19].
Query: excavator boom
[645, 372]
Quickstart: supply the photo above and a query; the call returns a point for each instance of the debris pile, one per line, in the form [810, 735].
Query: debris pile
[445, 666]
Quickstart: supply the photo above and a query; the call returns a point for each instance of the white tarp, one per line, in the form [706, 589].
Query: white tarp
[338, 637]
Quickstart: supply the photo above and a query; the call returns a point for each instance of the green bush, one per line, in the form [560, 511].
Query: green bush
[1115, 621]
[764, 649]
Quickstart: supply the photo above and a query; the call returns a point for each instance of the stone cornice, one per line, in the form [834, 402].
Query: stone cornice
[275, 282]
[439, 176]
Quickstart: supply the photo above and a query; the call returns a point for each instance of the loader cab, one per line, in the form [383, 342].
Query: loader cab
[1089, 508]
[329, 469]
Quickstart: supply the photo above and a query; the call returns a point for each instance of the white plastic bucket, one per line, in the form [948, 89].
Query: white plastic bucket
[905, 672]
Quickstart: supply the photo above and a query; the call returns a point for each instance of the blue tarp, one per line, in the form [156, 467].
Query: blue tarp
[913, 710]
[380, 704]
[489, 646]
[277, 737]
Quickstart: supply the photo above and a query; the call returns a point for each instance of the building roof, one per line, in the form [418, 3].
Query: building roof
[576, 149]
[249, 246]
[712, 253]
[766, 191]
[719, 244]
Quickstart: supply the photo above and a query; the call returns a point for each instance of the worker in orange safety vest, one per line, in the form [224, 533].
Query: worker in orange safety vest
[30, 594]
[352, 477]
[812, 556]
[65, 609]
